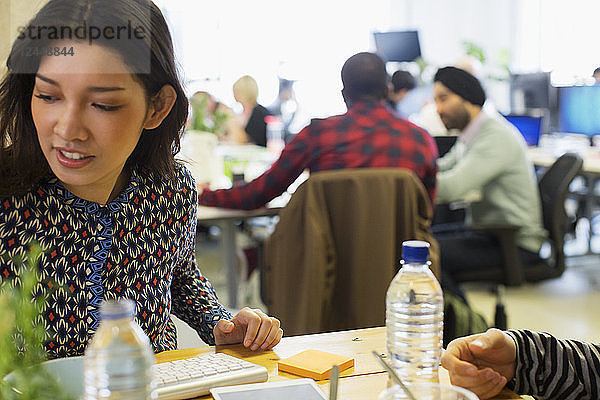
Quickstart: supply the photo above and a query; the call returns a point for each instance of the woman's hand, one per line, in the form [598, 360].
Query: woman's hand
[252, 327]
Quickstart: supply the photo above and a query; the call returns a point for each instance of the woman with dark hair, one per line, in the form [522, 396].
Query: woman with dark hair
[91, 110]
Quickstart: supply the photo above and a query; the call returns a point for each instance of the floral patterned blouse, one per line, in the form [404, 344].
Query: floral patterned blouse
[139, 246]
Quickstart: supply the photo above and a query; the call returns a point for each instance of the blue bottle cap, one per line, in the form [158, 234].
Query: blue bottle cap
[415, 251]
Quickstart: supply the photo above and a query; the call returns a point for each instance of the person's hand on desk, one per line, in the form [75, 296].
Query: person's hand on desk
[252, 327]
[482, 363]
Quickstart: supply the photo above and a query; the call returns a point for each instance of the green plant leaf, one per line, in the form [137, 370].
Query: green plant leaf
[22, 334]
[206, 120]
[474, 50]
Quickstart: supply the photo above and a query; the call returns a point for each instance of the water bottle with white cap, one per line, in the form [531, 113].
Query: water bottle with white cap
[414, 316]
[118, 361]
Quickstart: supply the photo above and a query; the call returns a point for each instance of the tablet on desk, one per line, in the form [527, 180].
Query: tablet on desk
[293, 389]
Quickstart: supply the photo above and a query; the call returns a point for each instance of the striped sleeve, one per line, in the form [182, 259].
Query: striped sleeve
[551, 368]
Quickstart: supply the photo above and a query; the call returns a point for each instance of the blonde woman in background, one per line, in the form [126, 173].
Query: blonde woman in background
[252, 118]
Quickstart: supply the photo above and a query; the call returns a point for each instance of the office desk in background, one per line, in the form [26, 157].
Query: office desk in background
[226, 219]
[248, 161]
[545, 156]
[362, 382]
[550, 150]
[254, 161]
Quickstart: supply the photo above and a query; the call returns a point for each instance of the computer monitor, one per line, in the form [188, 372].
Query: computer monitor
[579, 109]
[530, 127]
[397, 46]
[531, 91]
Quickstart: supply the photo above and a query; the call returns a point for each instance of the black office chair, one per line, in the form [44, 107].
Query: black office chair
[554, 187]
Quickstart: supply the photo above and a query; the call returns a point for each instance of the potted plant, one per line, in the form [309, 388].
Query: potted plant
[22, 336]
[207, 114]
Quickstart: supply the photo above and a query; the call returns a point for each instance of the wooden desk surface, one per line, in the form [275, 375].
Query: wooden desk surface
[364, 381]
[545, 156]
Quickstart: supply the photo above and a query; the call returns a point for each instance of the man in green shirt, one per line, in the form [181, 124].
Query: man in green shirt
[489, 158]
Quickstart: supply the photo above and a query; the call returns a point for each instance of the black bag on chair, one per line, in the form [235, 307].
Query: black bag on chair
[460, 319]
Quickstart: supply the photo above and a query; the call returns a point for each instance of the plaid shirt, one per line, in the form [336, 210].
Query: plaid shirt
[368, 136]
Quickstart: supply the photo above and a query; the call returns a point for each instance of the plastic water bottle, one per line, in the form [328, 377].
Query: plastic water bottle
[118, 361]
[415, 316]
[275, 139]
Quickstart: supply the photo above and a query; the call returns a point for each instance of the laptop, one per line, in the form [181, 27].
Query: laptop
[444, 144]
[530, 127]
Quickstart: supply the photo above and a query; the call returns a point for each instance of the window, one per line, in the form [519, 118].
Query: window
[217, 42]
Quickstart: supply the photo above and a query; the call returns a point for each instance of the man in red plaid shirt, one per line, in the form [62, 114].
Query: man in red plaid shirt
[368, 135]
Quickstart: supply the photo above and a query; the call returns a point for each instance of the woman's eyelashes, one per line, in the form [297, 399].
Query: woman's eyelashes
[107, 108]
[45, 97]
[102, 107]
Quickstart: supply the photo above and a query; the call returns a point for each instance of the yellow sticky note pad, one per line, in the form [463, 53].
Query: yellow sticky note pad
[314, 364]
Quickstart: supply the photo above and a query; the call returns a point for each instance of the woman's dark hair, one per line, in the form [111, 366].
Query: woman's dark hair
[403, 80]
[147, 51]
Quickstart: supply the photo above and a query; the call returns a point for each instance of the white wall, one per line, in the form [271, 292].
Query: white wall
[540, 35]
[443, 25]
[307, 41]
[310, 40]
[569, 38]
[14, 13]
[547, 35]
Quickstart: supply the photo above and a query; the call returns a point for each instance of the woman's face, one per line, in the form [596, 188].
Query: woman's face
[88, 121]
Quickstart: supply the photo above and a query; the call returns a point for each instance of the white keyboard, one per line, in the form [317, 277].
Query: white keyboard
[192, 377]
